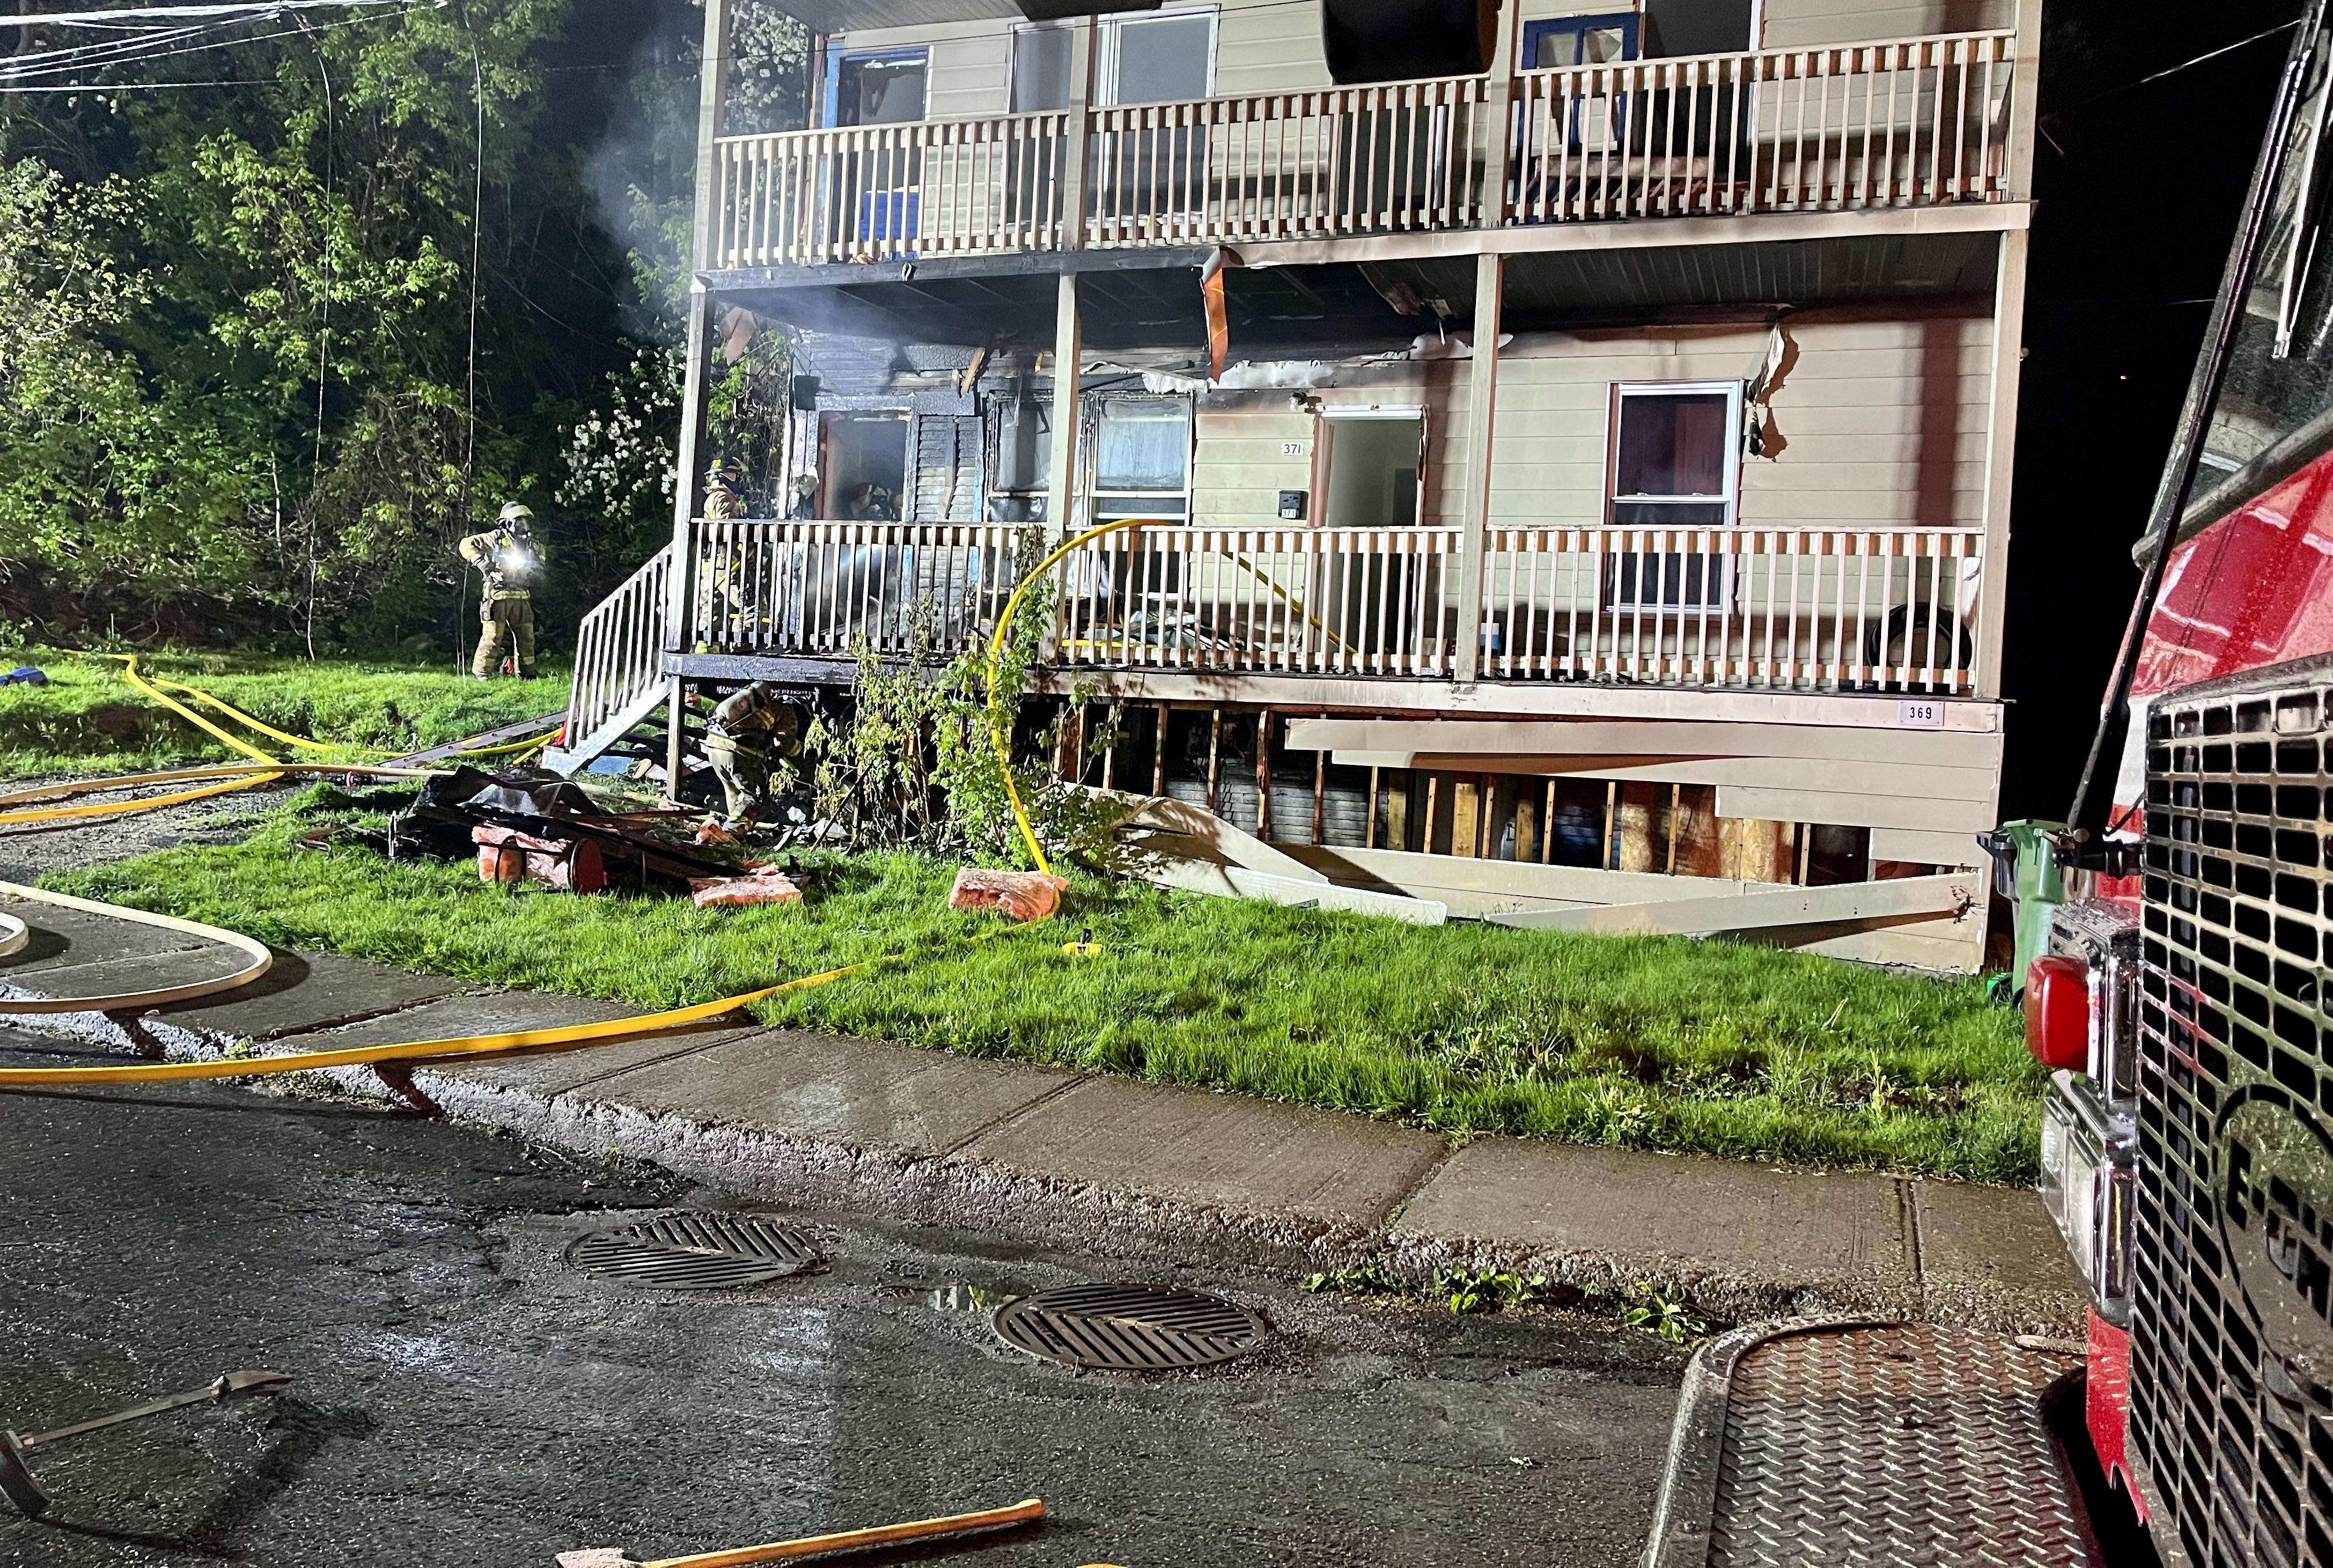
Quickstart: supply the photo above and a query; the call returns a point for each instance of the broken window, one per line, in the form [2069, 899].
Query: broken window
[1579, 40]
[885, 87]
[1674, 471]
[1021, 460]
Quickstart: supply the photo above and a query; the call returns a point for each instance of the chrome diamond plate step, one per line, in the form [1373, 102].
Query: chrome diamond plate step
[1806, 1445]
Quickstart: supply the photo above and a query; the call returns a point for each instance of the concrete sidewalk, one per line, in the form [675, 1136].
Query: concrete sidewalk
[1042, 1154]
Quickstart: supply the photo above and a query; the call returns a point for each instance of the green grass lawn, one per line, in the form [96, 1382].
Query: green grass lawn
[89, 719]
[1652, 1042]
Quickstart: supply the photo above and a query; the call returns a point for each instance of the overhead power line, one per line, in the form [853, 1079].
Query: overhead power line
[147, 16]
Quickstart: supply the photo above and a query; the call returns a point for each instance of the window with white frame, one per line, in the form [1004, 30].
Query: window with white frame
[1162, 59]
[1675, 470]
[1141, 457]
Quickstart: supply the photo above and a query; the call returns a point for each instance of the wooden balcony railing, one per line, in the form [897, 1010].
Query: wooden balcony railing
[821, 589]
[1913, 122]
[1759, 609]
[881, 192]
[1734, 608]
[1309, 600]
[1407, 156]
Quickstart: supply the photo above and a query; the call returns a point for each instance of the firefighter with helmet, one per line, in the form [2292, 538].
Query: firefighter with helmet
[507, 558]
[750, 729]
[724, 492]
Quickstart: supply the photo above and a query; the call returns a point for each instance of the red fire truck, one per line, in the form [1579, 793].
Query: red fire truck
[2188, 1141]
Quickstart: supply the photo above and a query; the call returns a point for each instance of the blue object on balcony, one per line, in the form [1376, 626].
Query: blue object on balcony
[888, 214]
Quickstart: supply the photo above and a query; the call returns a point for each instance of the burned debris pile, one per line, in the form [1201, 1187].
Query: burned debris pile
[530, 825]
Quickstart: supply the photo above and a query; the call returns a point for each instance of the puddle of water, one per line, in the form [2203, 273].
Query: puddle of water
[955, 1296]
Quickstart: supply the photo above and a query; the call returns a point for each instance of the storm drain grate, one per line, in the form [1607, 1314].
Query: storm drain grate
[695, 1252]
[1127, 1328]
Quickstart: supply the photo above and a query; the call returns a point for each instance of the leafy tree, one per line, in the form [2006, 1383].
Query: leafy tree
[270, 341]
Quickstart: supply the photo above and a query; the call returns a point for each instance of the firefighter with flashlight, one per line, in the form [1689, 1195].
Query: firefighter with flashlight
[506, 557]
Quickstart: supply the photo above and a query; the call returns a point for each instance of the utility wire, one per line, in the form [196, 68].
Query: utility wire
[9, 75]
[2183, 65]
[145, 15]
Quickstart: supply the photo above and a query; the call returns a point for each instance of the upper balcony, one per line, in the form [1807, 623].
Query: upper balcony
[1342, 173]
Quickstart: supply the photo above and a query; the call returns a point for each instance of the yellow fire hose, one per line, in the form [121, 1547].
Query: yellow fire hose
[241, 775]
[460, 1048]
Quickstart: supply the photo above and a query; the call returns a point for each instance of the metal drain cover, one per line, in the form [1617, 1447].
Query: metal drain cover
[1127, 1328]
[695, 1252]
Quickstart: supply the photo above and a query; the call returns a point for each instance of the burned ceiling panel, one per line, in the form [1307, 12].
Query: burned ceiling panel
[1129, 301]
[1550, 289]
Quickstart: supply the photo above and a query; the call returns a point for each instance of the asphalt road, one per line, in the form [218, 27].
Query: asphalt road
[464, 1397]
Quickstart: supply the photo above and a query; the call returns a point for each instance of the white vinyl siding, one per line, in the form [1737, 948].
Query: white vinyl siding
[1877, 422]
[1242, 468]
[1798, 24]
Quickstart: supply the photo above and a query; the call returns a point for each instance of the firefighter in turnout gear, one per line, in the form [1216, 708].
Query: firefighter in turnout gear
[752, 729]
[506, 556]
[725, 493]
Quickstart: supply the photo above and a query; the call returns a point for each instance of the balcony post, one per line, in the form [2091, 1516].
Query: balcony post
[713, 91]
[2025, 93]
[1498, 112]
[1077, 135]
[2000, 458]
[1482, 407]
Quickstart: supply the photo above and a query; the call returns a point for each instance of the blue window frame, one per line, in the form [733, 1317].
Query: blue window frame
[1581, 40]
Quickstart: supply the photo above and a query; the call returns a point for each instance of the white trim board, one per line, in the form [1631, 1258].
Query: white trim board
[1850, 811]
[1844, 903]
[1647, 738]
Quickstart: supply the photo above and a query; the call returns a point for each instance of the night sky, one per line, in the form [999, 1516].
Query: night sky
[2139, 189]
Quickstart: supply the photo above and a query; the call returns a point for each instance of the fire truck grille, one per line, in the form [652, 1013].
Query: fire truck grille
[2231, 1338]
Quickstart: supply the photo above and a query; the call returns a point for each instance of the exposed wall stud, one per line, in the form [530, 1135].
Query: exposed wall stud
[1264, 775]
[1321, 794]
[1215, 756]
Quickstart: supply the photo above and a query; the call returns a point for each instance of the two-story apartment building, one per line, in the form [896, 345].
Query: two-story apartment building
[1576, 487]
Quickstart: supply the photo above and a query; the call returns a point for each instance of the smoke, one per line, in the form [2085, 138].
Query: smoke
[641, 174]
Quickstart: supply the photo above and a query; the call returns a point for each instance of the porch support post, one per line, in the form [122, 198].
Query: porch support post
[2000, 459]
[713, 91]
[1069, 348]
[1481, 407]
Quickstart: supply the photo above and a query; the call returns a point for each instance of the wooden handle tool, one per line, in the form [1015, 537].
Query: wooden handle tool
[819, 1545]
